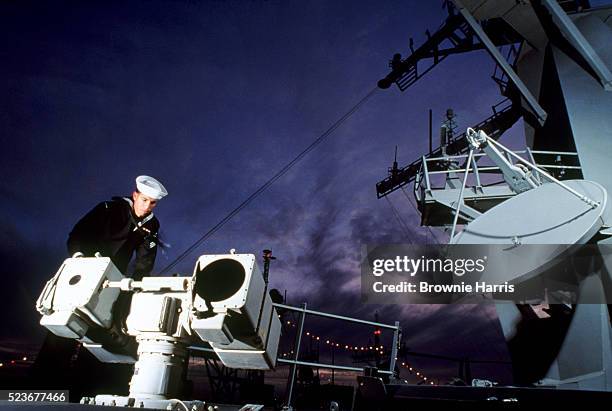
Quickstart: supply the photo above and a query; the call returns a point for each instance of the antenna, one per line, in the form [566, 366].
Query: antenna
[430, 132]
[394, 169]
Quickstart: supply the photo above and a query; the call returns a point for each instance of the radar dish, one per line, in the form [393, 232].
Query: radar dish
[547, 214]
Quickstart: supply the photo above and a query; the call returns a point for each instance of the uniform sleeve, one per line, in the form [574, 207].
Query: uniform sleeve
[87, 228]
[145, 260]
[145, 255]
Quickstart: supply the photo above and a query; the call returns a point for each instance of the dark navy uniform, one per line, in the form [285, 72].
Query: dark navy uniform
[112, 229]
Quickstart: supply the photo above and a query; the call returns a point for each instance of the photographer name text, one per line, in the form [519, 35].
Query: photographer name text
[425, 287]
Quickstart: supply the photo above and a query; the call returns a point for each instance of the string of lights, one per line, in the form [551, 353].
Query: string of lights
[18, 361]
[350, 347]
[411, 369]
[345, 346]
[418, 374]
[358, 348]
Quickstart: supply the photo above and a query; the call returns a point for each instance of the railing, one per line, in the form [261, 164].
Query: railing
[504, 116]
[433, 166]
[295, 362]
[303, 311]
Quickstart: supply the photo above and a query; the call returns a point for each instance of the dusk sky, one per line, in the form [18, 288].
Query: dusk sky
[213, 98]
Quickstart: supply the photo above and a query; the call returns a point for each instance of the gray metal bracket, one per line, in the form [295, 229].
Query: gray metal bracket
[580, 43]
[538, 111]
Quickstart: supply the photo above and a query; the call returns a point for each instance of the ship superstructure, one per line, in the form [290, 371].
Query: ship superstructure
[553, 64]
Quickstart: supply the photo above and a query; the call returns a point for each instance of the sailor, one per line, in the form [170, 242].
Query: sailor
[121, 227]
[117, 229]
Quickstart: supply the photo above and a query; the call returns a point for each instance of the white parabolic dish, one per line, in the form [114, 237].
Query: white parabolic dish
[548, 214]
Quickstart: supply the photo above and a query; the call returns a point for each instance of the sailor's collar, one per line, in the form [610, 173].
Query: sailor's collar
[144, 219]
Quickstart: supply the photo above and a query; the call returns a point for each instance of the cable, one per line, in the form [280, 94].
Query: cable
[401, 222]
[271, 181]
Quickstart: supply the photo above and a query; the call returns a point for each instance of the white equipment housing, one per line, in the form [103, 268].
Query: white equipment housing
[226, 303]
[234, 312]
[75, 298]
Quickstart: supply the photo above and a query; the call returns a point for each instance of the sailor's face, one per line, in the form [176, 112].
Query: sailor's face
[143, 204]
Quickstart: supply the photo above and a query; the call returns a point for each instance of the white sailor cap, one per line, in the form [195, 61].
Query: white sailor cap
[151, 187]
